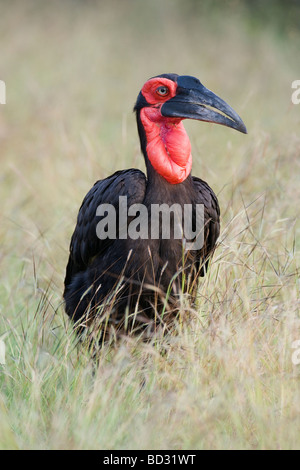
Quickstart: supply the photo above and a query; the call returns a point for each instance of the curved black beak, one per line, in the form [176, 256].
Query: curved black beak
[194, 101]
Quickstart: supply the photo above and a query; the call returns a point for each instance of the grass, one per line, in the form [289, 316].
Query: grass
[226, 380]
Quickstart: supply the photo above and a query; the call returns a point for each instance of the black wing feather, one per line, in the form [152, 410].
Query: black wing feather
[85, 244]
[206, 196]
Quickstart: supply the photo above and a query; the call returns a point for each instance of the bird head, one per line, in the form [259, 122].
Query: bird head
[163, 102]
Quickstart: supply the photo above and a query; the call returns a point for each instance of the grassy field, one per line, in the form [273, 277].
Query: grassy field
[226, 380]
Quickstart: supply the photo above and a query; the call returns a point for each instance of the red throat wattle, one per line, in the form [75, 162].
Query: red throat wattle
[168, 145]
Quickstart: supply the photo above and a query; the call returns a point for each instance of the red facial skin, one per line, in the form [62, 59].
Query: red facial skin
[168, 146]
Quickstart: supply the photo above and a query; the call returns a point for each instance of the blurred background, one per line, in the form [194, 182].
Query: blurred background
[73, 70]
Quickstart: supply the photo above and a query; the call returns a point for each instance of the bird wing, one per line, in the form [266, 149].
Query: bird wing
[85, 244]
[207, 197]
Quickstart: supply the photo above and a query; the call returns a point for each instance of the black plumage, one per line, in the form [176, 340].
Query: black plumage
[125, 284]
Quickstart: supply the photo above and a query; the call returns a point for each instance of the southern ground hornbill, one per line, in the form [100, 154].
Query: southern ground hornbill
[117, 283]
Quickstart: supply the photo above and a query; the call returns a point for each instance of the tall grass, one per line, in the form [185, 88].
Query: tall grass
[226, 379]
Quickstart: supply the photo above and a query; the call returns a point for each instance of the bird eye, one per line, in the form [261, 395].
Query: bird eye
[162, 91]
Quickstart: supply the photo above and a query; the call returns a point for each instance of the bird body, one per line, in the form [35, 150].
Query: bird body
[124, 282]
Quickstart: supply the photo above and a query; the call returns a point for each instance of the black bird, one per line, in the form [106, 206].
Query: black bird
[132, 283]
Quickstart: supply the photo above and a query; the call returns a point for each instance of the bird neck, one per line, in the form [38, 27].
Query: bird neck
[166, 144]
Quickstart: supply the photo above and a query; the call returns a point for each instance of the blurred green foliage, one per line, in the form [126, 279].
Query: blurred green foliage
[283, 16]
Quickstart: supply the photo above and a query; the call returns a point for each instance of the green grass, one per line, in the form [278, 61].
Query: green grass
[226, 379]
